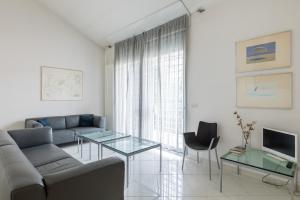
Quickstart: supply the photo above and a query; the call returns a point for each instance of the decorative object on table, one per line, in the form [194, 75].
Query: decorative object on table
[247, 128]
[264, 91]
[238, 150]
[267, 52]
[61, 84]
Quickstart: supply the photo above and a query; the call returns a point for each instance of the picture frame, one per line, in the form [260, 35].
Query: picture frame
[61, 84]
[265, 91]
[264, 53]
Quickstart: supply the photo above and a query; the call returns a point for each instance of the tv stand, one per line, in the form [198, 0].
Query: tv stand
[261, 161]
[276, 157]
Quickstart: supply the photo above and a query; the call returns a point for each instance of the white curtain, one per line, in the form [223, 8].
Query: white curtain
[150, 84]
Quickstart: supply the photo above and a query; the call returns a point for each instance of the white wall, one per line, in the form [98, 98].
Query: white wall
[30, 36]
[211, 65]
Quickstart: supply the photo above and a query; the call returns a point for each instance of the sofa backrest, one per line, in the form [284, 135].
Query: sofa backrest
[19, 180]
[65, 122]
[30, 137]
[72, 121]
[56, 122]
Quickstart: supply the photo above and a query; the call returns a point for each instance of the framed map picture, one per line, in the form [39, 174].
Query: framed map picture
[264, 91]
[61, 84]
[267, 52]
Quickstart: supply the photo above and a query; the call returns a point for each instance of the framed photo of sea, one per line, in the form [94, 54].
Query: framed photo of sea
[265, 91]
[263, 53]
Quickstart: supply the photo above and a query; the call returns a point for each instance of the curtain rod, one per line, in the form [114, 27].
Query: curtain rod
[151, 14]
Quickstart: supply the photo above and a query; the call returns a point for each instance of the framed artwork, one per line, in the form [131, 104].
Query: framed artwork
[262, 53]
[264, 91]
[59, 84]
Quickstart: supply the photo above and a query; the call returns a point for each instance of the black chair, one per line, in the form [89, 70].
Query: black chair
[206, 139]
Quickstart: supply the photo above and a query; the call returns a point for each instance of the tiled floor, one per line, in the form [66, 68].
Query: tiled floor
[146, 183]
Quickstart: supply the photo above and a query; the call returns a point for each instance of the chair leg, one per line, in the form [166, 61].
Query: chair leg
[198, 157]
[184, 151]
[209, 160]
[217, 158]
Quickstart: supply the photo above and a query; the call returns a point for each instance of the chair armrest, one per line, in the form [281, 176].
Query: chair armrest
[99, 121]
[189, 137]
[214, 142]
[33, 124]
[103, 179]
[30, 137]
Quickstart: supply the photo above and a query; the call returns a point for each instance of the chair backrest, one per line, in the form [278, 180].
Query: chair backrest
[206, 131]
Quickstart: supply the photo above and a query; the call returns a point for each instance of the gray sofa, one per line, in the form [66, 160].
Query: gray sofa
[32, 168]
[65, 127]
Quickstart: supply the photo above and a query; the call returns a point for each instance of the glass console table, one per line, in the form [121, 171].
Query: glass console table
[260, 160]
[131, 146]
[98, 138]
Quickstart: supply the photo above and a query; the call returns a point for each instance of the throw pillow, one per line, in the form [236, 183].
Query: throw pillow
[86, 120]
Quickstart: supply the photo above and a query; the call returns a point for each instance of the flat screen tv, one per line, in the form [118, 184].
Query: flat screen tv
[280, 143]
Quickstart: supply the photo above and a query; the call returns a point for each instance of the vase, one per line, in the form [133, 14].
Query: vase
[246, 143]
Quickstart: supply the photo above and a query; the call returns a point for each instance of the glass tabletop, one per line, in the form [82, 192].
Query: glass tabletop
[103, 136]
[130, 145]
[261, 160]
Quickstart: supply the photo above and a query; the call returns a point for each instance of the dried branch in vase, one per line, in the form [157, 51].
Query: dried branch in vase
[246, 129]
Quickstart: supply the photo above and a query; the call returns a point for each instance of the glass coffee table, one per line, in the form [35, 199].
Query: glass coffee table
[98, 138]
[131, 146]
[260, 160]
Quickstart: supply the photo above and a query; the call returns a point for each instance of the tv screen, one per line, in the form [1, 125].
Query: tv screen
[279, 141]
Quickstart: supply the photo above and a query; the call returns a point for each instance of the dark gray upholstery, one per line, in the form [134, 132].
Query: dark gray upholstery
[46, 172]
[72, 121]
[63, 136]
[34, 124]
[36, 154]
[31, 137]
[5, 139]
[83, 182]
[58, 166]
[83, 130]
[100, 122]
[65, 127]
[57, 123]
[18, 178]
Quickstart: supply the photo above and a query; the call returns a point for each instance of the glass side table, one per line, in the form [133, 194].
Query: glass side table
[98, 138]
[262, 161]
[131, 146]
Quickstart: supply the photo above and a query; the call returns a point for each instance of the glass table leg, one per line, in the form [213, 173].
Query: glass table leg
[221, 176]
[127, 171]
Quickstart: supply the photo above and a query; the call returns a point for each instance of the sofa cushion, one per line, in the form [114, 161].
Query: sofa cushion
[57, 123]
[44, 154]
[63, 136]
[86, 120]
[59, 165]
[84, 130]
[72, 121]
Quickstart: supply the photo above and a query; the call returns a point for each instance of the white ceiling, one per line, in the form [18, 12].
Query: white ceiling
[109, 21]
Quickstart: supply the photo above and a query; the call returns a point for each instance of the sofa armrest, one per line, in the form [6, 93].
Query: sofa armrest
[30, 137]
[100, 121]
[103, 179]
[33, 124]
